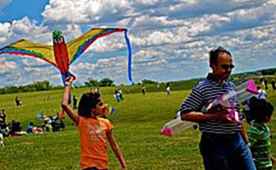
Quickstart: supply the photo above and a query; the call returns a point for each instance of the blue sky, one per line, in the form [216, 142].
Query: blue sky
[170, 39]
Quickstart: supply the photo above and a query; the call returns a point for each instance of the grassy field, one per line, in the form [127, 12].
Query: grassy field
[137, 123]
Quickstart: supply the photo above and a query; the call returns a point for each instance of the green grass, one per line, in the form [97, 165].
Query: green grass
[137, 122]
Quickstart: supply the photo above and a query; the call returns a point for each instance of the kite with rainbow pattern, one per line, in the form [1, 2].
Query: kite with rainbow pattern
[62, 54]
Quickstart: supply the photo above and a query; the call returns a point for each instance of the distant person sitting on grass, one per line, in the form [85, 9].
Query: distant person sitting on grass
[3, 119]
[94, 131]
[1, 139]
[57, 124]
[261, 93]
[259, 133]
[33, 129]
[47, 123]
[16, 129]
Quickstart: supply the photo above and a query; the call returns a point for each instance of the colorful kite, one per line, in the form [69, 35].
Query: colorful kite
[62, 54]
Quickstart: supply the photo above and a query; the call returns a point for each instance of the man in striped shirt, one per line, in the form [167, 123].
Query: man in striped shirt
[222, 145]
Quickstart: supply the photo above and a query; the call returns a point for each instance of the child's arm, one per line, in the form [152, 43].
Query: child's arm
[273, 160]
[116, 150]
[65, 102]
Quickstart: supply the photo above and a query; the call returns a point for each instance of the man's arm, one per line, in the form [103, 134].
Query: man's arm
[194, 116]
[65, 102]
[203, 117]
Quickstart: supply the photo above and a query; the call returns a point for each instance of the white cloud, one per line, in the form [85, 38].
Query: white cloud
[140, 55]
[4, 32]
[109, 43]
[110, 63]
[84, 11]
[32, 62]
[147, 2]
[7, 65]
[82, 66]
[23, 28]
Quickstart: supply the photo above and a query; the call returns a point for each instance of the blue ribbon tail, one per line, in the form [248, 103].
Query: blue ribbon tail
[129, 57]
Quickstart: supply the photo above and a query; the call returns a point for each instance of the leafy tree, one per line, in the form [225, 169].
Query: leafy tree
[41, 85]
[92, 83]
[145, 81]
[106, 82]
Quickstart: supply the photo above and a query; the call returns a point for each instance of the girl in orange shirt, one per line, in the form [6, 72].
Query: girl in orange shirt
[94, 131]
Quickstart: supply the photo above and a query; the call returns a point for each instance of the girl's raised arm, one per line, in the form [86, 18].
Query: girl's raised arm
[65, 102]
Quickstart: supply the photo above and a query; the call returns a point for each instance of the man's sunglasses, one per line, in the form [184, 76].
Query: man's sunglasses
[227, 66]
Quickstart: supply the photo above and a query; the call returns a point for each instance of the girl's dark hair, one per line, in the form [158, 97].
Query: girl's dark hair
[213, 55]
[260, 109]
[87, 102]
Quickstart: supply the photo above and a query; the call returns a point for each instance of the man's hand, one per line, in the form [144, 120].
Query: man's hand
[220, 114]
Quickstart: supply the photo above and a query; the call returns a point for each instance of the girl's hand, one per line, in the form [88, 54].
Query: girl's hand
[69, 80]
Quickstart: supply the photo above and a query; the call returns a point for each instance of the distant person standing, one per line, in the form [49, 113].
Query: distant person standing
[18, 101]
[75, 101]
[261, 93]
[168, 89]
[273, 85]
[265, 83]
[117, 95]
[144, 90]
[121, 94]
[97, 90]
[262, 81]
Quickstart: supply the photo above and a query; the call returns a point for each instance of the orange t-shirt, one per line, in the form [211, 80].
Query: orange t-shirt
[93, 142]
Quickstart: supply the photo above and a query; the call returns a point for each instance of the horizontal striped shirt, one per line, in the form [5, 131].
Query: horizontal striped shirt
[203, 94]
[260, 145]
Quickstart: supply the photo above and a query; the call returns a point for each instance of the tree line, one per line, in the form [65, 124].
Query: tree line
[45, 85]
[151, 85]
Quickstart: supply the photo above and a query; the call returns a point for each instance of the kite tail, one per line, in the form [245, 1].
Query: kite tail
[129, 56]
